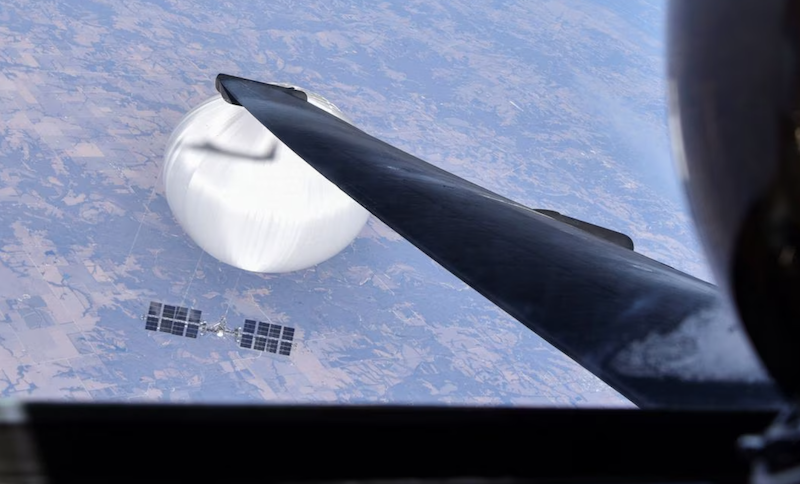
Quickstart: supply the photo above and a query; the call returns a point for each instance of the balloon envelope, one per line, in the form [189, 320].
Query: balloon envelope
[250, 201]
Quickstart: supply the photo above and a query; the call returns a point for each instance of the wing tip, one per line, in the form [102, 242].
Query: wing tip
[223, 79]
[219, 83]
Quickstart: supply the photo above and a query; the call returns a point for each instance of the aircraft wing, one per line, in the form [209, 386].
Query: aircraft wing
[658, 336]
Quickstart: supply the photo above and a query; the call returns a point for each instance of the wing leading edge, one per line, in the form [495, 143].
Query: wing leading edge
[658, 336]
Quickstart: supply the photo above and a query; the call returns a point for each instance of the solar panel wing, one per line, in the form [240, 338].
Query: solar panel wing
[151, 323]
[178, 327]
[181, 313]
[194, 316]
[175, 320]
[260, 343]
[169, 312]
[155, 309]
[166, 326]
[246, 341]
[263, 336]
[192, 330]
[274, 331]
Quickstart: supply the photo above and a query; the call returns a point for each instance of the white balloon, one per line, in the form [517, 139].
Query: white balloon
[261, 215]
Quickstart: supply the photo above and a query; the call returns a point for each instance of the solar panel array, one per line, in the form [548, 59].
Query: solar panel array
[261, 336]
[255, 335]
[176, 320]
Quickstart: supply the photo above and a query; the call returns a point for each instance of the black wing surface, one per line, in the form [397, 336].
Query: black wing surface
[660, 337]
